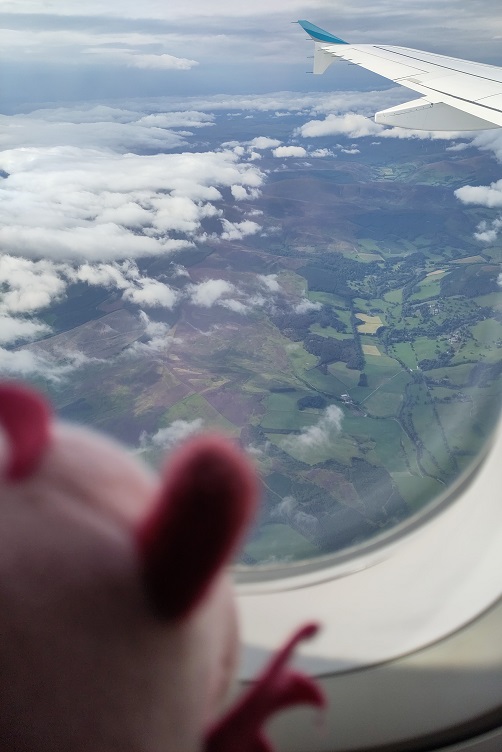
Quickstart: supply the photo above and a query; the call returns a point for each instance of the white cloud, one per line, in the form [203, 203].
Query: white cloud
[234, 305]
[166, 438]
[322, 434]
[490, 140]
[100, 126]
[106, 48]
[241, 194]
[321, 153]
[144, 291]
[157, 337]
[69, 203]
[306, 305]
[238, 230]
[462, 146]
[13, 329]
[206, 293]
[116, 130]
[29, 285]
[152, 293]
[269, 281]
[24, 362]
[264, 142]
[357, 125]
[350, 124]
[482, 195]
[488, 232]
[289, 151]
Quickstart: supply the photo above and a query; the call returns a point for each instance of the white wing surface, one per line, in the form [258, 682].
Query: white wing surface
[456, 94]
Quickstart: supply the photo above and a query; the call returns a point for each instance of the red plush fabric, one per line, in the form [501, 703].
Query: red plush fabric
[206, 503]
[277, 688]
[25, 418]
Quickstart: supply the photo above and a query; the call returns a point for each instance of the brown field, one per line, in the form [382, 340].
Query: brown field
[371, 350]
[370, 323]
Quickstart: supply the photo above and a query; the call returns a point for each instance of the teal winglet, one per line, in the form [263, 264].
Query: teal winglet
[319, 34]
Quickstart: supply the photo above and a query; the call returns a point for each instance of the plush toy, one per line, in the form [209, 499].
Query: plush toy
[117, 620]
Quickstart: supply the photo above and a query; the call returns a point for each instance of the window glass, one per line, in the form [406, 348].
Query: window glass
[197, 234]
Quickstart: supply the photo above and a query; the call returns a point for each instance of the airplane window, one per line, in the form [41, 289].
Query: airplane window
[196, 234]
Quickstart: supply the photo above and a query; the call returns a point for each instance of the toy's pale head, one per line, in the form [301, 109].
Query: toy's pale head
[117, 622]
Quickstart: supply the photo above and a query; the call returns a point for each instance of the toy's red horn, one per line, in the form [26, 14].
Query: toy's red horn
[206, 504]
[25, 421]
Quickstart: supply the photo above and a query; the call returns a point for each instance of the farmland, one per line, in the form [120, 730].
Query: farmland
[357, 358]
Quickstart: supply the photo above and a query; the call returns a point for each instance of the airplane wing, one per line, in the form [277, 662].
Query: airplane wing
[458, 95]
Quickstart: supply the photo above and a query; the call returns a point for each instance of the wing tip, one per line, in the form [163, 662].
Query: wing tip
[320, 35]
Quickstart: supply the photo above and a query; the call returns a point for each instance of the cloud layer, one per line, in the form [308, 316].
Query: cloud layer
[72, 203]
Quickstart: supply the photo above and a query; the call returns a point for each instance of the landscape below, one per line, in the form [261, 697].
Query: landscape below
[363, 388]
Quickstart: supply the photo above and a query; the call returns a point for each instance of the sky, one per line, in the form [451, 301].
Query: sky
[104, 123]
[52, 50]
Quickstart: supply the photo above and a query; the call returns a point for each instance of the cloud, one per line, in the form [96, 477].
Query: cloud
[490, 140]
[13, 329]
[357, 125]
[321, 153]
[269, 281]
[144, 291]
[289, 151]
[306, 305]
[482, 195]
[319, 435]
[206, 293]
[29, 285]
[363, 102]
[166, 438]
[241, 194]
[152, 293]
[234, 305]
[133, 57]
[238, 230]
[287, 511]
[264, 142]
[26, 363]
[118, 129]
[489, 196]
[156, 339]
[350, 124]
[92, 47]
[68, 203]
[488, 232]
[462, 146]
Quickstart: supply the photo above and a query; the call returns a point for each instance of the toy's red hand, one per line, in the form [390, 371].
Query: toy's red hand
[277, 688]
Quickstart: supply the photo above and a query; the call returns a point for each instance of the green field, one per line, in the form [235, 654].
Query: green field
[328, 331]
[327, 298]
[394, 296]
[346, 377]
[428, 288]
[493, 299]
[417, 489]
[404, 351]
[195, 407]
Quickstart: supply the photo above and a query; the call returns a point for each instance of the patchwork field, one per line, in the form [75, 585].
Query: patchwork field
[370, 324]
[354, 352]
